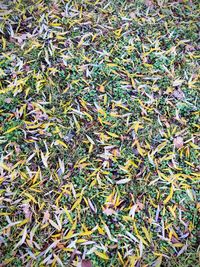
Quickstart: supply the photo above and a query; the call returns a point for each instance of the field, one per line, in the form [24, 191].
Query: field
[99, 133]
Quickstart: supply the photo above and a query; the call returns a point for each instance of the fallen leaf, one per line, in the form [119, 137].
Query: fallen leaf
[86, 263]
[108, 211]
[123, 181]
[46, 216]
[178, 142]
[149, 3]
[115, 152]
[101, 255]
[140, 205]
[26, 210]
[178, 94]
[178, 82]
[101, 89]
[189, 48]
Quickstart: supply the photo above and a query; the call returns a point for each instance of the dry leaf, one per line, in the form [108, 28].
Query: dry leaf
[27, 212]
[108, 211]
[149, 3]
[46, 216]
[123, 181]
[101, 89]
[115, 152]
[178, 142]
[140, 205]
[178, 82]
[189, 48]
[86, 263]
[178, 94]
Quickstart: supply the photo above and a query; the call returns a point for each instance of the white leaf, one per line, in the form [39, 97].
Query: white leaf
[22, 239]
[62, 165]
[123, 181]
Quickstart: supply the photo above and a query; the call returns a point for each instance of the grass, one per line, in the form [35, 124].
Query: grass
[99, 133]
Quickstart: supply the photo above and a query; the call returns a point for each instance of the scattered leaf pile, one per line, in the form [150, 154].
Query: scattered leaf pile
[99, 131]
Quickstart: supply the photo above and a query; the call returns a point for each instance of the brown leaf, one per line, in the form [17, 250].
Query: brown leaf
[140, 205]
[60, 246]
[86, 263]
[115, 152]
[101, 89]
[108, 211]
[178, 142]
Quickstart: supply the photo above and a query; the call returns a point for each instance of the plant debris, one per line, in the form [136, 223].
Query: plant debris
[99, 133]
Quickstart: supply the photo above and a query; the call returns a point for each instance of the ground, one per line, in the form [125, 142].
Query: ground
[99, 128]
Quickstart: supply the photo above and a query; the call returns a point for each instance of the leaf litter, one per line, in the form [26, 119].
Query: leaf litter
[99, 125]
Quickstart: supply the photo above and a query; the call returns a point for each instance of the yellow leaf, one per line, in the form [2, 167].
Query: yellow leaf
[81, 240]
[30, 197]
[101, 255]
[88, 115]
[3, 42]
[4, 213]
[111, 65]
[178, 245]
[33, 126]
[68, 215]
[120, 258]
[5, 167]
[169, 196]
[144, 229]
[69, 234]
[90, 148]
[59, 142]
[142, 240]
[11, 129]
[100, 230]
[78, 201]
[172, 211]
[85, 233]
[36, 176]
[133, 83]
[113, 135]
[140, 150]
